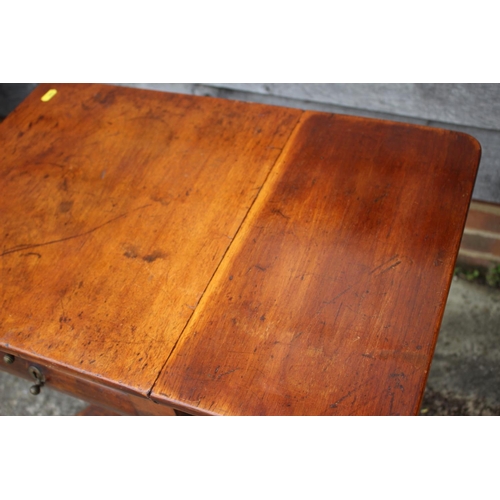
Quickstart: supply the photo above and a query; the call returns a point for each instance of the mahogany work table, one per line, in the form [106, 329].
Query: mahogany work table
[165, 252]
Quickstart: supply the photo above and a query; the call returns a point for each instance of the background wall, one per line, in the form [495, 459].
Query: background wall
[470, 108]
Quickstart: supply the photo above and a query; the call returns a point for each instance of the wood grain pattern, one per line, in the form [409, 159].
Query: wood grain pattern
[487, 186]
[226, 258]
[459, 103]
[117, 206]
[329, 300]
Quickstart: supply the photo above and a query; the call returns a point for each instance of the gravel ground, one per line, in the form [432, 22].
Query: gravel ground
[16, 399]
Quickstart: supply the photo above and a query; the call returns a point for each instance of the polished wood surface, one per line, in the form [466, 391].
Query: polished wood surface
[117, 207]
[227, 258]
[330, 299]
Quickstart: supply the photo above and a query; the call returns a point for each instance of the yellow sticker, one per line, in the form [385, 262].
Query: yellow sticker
[49, 95]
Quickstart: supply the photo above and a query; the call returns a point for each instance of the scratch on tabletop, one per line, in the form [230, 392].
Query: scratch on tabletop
[227, 373]
[334, 405]
[19, 248]
[277, 211]
[373, 271]
[35, 254]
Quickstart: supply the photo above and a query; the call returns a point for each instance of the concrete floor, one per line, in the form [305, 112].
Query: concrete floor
[464, 377]
[465, 372]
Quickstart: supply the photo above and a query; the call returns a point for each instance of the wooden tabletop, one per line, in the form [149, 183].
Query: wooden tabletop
[221, 257]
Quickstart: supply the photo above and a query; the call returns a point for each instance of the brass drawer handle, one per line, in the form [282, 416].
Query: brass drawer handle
[39, 378]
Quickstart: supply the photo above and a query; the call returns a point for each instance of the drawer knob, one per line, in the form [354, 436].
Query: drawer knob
[35, 389]
[9, 359]
[39, 378]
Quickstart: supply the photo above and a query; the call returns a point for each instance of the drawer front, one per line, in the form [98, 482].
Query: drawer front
[113, 399]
